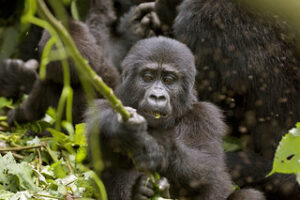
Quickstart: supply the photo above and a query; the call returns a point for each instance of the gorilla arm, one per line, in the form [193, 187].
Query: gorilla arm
[196, 164]
[116, 139]
[131, 136]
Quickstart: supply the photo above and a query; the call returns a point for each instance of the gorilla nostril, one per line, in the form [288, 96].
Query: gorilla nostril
[154, 97]
[162, 98]
[157, 97]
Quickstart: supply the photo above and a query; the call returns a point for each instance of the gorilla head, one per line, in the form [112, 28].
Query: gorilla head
[158, 79]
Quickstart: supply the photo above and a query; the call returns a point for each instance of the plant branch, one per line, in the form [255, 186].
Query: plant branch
[21, 148]
[81, 64]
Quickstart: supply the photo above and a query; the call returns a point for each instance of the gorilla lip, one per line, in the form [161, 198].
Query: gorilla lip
[155, 114]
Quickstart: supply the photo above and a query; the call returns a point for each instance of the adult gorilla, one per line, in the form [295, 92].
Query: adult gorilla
[169, 132]
[247, 65]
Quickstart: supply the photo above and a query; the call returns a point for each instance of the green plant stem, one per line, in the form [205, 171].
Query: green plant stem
[81, 64]
[55, 39]
[100, 185]
[21, 148]
[3, 118]
[18, 156]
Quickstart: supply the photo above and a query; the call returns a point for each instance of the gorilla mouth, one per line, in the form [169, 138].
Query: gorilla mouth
[155, 114]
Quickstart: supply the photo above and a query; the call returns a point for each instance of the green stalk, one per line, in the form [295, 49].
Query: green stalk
[81, 64]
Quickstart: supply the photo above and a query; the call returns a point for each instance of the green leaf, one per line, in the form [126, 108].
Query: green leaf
[287, 156]
[80, 137]
[17, 196]
[231, 144]
[52, 113]
[62, 140]
[59, 169]
[4, 194]
[9, 39]
[81, 154]
[5, 177]
[5, 102]
[24, 173]
[15, 176]
[69, 127]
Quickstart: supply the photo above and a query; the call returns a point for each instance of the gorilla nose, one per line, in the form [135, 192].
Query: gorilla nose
[158, 99]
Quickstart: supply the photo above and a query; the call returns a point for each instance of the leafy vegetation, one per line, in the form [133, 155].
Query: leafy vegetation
[287, 156]
[48, 167]
[54, 164]
[53, 167]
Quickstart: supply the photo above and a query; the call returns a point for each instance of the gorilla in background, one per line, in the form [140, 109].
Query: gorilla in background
[108, 49]
[248, 66]
[118, 26]
[45, 93]
[13, 69]
[170, 132]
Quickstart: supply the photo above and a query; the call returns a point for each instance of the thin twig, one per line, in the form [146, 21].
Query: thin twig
[21, 148]
[82, 65]
[39, 164]
[18, 156]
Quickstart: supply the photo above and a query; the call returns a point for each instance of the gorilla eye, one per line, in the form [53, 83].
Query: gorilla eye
[147, 77]
[169, 79]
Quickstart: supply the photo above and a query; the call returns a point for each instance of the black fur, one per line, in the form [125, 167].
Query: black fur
[247, 64]
[46, 92]
[16, 77]
[184, 145]
[118, 26]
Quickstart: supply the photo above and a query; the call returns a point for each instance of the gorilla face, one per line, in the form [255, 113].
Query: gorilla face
[160, 84]
[158, 78]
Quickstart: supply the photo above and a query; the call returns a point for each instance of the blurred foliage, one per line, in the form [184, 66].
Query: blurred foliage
[48, 167]
[79, 9]
[287, 156]
[13, 33]
[10, 12]
[231, 144]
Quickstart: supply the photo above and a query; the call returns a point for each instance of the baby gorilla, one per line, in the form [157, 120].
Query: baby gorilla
[170, 132]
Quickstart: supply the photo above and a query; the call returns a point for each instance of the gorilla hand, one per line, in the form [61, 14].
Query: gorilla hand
[143, 188]
[142, 147]
[144, 20]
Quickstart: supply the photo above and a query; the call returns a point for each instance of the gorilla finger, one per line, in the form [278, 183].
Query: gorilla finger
[32, 64]
[145, 21]
[146, 181]
[155, 22]
[163, 184]
[13, 62]
[136, 118]
[131, 112]
[140, 197]
[146, 191]
[139, 31]
[130, 109]
[142, 10]
[151, 33]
